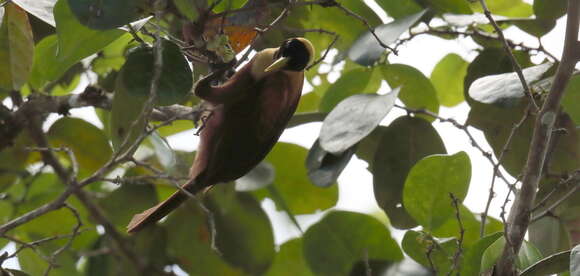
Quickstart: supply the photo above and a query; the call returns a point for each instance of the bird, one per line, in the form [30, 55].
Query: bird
[249, 112]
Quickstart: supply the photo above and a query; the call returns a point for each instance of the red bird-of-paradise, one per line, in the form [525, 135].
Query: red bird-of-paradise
[249, 113]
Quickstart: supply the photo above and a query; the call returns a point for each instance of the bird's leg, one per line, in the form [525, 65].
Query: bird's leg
[203, 120]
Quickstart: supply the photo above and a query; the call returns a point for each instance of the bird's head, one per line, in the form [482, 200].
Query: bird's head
[293, 55]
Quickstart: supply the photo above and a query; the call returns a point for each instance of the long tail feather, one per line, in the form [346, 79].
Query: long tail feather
[159, 211]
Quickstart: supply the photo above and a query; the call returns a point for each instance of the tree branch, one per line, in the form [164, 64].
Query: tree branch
[519, 217]
[12, 123]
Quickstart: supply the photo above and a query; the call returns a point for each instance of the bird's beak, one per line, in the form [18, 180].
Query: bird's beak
[277, 65]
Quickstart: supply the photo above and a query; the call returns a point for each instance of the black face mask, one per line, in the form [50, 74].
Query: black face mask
[297, 53]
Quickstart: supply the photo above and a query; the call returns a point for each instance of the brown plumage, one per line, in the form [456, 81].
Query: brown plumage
[249, 113]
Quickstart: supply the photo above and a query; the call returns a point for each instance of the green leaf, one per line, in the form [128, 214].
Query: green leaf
[553, 264]
[497, 123]
[31, 263]
[190, 236]
[43, 187]
[163, 151]
[150, 243]
[527, 255]
[176, 78]
[536, 27]
[88, 143]
[126, 122]
[472, 259]
[550, 9]
[447, 77]
[104, 14]
[324, 167]
[53, 57]
[398, 9]
[338, 241]
[353, 82]
[188, 8]
[489, 62]
[366, 50]
[335, 20]
[6, 212]
[367, 147]
[290, 260]
[353, 119]
[406, 141]
[176, 127]
[417, 91]
[450, 6]
[16, 48]
[512, 8]
[112, 57]
[308, 103]
[505, 89]
[470, 225]
[244, 234]
[76, 41]
[450, 174]
[227, 5]
[46, 67]
[492, 254]
[575, 260]
[116, 207]
[68, 82]
[42, 9]
[259, 177]
[549, 234]
[292, 181]
[13, 161]
[417, 245]
[571, 100]
[304, 118]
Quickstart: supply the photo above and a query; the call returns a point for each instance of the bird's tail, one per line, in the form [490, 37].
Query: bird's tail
[159, 211]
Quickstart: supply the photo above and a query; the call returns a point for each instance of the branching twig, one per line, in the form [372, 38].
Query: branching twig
[316, 62]
[570, 186]
[73, 235]
[459, 251]
[473, 33]
[430, 249]
[511, 56]
[365, 22]
[496, 167]
[40, 105]
[465, 130]
[519, 217]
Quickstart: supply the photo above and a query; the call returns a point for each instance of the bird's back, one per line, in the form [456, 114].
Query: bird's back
[243, 132]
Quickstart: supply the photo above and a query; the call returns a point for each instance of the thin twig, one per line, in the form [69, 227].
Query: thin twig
[368, 269]
[573, 182]
[136, 36]
[68, 244]
[316, 62]
[465, 130]
[452, 30]
[366, 23]
[511, 56]
[496, 167]
[459, 251]
[429, 254]
[519, 218]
